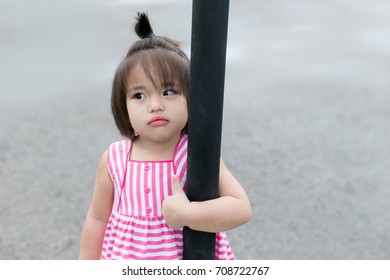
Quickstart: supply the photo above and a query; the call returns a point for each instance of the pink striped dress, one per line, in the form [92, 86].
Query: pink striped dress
[136, 228]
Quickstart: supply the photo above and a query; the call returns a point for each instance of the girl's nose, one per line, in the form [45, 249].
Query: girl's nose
[156, 104]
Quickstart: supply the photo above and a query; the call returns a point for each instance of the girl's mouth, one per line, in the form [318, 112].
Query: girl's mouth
[158, 121]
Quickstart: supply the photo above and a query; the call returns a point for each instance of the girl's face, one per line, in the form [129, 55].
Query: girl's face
[156, 113]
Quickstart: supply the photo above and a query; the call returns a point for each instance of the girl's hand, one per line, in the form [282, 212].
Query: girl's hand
[176, 207]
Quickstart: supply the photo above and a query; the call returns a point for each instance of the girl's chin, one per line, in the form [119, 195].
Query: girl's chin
[160, 137]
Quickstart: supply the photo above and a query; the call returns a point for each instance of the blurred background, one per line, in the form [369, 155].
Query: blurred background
[306, 120]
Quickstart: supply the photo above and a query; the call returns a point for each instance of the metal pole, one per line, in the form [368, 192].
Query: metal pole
[208, 58]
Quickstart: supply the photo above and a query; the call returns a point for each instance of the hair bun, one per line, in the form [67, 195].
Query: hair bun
[142, 27]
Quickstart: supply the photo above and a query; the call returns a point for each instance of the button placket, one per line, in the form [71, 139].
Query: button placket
[147, 191]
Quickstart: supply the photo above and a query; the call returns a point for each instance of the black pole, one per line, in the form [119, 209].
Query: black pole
[208, 58]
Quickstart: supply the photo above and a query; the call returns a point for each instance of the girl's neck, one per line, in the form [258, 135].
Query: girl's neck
[144, 149]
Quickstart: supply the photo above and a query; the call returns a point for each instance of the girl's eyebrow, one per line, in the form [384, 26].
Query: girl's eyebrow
[169, 84]
[141, 87]
[135, 88]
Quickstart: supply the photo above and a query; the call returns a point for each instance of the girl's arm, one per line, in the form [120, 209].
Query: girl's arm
[98, 214]
[230, 210]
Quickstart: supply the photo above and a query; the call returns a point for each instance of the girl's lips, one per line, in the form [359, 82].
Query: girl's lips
[158, 121]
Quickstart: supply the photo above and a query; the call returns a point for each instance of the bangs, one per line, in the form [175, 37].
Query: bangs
[165, 68]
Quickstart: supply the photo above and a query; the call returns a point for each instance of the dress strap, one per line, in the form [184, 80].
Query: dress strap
[118, 161]
[180, 159]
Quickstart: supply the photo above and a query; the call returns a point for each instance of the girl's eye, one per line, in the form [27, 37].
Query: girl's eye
[139, 95]
[169, 92]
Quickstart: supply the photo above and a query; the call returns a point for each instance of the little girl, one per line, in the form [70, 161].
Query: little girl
[139, 208]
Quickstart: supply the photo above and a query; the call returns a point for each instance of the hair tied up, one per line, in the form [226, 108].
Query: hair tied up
[143, 27]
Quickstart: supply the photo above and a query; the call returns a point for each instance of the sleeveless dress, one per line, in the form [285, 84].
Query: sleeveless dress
[136, 228]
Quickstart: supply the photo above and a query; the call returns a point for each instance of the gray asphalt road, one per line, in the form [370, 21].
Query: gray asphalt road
[305, 121]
